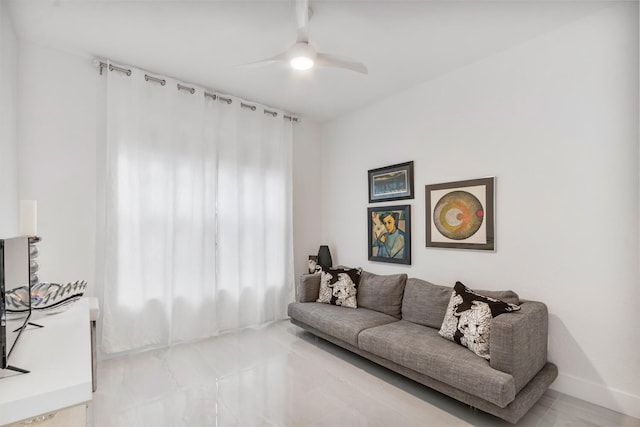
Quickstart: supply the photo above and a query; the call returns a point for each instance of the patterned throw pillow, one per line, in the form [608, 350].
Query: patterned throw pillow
[468, 318]
[339, 286]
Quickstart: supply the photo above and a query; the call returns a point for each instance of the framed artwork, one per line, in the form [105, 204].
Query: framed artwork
[390, 234]
[313, 263]
[391, 183]
[461, 214]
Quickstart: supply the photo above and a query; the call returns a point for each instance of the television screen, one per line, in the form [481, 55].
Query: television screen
[15, 295]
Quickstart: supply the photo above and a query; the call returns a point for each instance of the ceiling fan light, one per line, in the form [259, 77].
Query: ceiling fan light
[301, 62]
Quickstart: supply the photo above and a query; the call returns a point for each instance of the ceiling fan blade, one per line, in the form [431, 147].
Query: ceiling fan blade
[284, 56]
[302, 19]
[334, 61]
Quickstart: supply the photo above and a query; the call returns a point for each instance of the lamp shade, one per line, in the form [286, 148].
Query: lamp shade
[324, 257]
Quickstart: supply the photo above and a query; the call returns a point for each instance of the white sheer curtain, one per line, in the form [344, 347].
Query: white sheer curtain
[198, 235]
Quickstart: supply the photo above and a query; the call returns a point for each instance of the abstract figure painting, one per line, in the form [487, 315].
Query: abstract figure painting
[390, 234]
[461, 214]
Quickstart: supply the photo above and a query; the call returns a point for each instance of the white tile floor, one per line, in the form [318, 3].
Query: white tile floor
[279, 375]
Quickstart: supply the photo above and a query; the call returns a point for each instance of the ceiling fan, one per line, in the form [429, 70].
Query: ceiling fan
[303, 56]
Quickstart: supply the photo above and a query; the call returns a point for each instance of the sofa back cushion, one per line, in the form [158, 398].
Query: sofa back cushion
[426, 304]
[382, 293]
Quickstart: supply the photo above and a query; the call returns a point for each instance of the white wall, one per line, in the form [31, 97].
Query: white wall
[8, 127]
[556, 121]
[307, 193]
[57, 157]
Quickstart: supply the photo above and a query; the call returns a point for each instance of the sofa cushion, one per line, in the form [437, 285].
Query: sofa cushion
[426, 304]
[421, 349]
[338, 322]
[339, 286]
[468, 318]
[382, 293]
[509, 297]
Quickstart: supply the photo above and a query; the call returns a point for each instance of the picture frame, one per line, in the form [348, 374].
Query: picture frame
[461, 214]
[389, 238]
[312, 264]
[393, 182]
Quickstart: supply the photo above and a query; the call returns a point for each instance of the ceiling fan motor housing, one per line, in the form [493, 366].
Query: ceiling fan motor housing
[302, 56]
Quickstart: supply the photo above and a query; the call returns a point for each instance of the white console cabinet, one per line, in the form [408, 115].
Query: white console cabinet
[58, 387]
[74, 416]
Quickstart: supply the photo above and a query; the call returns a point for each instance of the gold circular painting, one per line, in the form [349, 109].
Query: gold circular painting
[458, 215]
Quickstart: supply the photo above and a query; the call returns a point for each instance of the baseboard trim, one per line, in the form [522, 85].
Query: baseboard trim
[616, 400]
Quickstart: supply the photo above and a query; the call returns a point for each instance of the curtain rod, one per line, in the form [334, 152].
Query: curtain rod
[102, 65]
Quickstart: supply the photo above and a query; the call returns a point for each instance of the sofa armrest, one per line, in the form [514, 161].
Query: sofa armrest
[518, 342]
[308, 288]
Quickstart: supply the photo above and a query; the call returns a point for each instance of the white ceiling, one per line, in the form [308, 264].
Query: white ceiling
[403, 43]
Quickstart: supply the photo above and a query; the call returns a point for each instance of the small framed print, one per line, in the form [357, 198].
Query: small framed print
[313, 263]
[390, 234]
[461, 214]
[391, 183]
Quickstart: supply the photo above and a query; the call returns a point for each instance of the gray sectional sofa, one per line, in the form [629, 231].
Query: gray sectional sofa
[396, 325]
